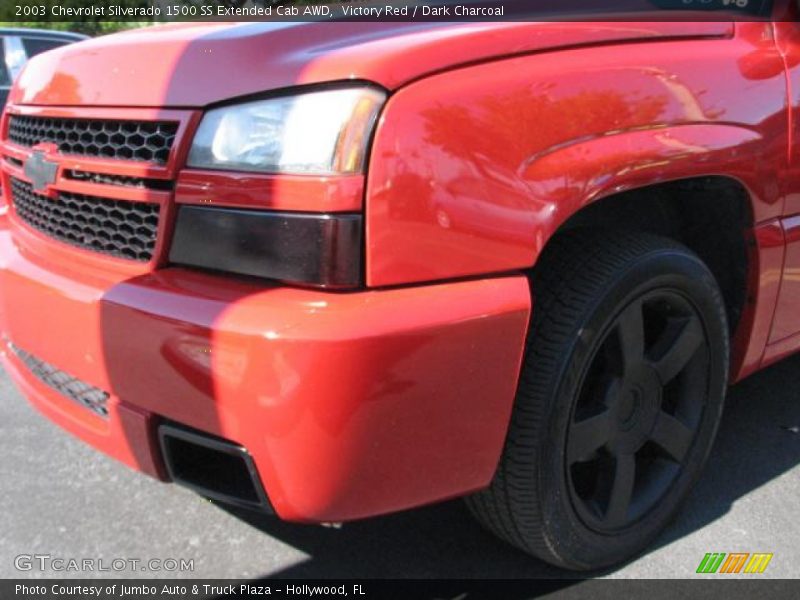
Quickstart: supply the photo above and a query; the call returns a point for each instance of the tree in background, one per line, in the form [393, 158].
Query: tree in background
[92, 28]
[88, 26]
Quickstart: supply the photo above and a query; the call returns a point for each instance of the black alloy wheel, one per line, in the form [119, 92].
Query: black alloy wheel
[638, 411]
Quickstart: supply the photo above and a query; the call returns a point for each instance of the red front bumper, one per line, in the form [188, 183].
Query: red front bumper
[350, 404]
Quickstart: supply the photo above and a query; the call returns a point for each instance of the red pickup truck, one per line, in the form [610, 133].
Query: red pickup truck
[334, 270]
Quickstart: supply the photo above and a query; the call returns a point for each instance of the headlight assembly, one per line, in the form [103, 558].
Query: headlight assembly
[323, 132]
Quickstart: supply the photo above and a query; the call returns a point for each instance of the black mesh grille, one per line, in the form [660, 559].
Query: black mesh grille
[73, 388]
[116, 227]
[121, 180]
[148, 141]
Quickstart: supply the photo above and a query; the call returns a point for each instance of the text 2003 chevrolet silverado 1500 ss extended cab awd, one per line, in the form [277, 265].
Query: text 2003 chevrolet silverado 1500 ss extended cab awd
[336, 270]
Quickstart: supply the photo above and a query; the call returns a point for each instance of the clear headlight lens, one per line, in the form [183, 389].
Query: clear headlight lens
[317, 133]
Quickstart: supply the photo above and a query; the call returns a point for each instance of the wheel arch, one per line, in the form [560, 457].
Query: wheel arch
[710, 214]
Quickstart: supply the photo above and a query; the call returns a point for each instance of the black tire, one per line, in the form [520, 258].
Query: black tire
[578, 443]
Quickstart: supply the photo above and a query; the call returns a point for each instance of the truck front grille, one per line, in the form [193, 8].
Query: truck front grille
[115, 227]
[65, 384]
[147, 141]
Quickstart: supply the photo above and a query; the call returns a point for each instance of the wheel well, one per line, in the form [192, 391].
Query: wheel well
[710, 215]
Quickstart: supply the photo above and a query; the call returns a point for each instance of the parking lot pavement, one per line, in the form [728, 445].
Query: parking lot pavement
[63, 499]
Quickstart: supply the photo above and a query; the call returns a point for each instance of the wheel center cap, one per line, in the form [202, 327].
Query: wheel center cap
[636, 410]
[630, 409]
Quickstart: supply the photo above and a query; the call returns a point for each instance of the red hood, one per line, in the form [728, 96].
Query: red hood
[193, 65]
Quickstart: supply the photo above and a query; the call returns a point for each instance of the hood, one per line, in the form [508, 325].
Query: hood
[194, 65]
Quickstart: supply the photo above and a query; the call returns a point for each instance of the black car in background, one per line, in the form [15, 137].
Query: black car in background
[17, 45]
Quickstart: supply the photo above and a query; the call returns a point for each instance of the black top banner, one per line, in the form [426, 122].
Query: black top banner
[28, 12]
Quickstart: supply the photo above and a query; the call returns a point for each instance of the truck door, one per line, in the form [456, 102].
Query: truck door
[786, 322]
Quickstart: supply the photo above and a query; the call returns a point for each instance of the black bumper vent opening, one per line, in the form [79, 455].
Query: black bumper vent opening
[215, 468]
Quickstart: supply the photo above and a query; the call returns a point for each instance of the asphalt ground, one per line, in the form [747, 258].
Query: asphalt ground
[60, 498]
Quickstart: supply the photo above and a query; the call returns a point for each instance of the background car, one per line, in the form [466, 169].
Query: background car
[19, 44]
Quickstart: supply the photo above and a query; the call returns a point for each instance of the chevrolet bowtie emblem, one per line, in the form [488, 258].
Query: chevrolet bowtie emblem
[40, 171]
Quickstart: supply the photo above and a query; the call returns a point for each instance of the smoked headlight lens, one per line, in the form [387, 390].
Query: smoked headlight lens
[317, 133]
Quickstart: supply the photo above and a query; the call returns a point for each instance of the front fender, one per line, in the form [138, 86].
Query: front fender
[473, 170]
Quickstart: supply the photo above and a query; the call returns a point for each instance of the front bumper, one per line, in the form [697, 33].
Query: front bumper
[351, 404]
